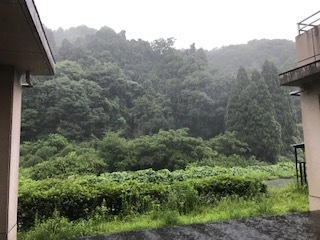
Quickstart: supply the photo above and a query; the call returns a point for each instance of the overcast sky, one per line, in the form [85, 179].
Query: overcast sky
[207, 23]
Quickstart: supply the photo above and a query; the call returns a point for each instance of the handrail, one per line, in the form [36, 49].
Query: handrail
[305, 25]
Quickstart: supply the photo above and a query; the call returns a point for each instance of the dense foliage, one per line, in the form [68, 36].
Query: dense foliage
[281, 170]
[106, 83]
[253, 54]
[173, 150]
[128, 127]
[78, 198]
[260, 114]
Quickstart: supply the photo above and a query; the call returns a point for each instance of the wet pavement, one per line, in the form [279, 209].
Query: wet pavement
[297, 226]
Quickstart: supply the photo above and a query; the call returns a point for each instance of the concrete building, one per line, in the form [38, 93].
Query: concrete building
[24, 50]
[307, 78]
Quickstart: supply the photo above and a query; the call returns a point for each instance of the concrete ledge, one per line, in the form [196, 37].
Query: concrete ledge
[302, 75]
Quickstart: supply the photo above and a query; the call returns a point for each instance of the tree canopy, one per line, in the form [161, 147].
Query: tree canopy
[106, 83]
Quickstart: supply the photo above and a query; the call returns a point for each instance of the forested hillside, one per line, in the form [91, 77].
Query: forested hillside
[253, 54]
[105, 83]
[133, 132]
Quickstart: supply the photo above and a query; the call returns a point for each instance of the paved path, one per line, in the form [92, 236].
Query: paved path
[298, 226]
[281, 182]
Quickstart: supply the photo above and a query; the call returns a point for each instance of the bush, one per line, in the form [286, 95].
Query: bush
[77, 197]
[71, 164]
[228, 144]
[43, 150]
[181, 197]
[262, 171]
[224, 185]
[172, 150]
[230, 161]
[114, 150]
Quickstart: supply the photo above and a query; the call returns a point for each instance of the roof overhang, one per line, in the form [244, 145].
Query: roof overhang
[302, 75]
[23, 42]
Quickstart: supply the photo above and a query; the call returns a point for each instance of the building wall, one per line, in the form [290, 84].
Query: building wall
[310, 104]
[308, 47]
[10, 115]
[308, 51]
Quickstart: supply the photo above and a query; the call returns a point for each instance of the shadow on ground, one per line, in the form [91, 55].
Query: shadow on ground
[297, 226]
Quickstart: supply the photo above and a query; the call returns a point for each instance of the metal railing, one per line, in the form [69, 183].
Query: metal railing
[309, 22]
[301, 172]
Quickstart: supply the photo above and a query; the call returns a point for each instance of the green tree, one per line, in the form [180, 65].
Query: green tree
[74, 109]
[168, 150]
[235, 105]
[252, 118]
[71, 164]
[114, 151]
[151, 113]
[282, 106]
[71, 69]
[261, 131]
[228, 144]
[42, 150]
[162, 46]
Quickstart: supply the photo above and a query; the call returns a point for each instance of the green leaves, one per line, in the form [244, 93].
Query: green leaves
[61, 105]
[165, 150]
[76, 197]
[69, 165]
[228, 144]
[105, 83]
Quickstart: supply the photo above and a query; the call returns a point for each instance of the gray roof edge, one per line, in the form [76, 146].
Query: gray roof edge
[31, 12]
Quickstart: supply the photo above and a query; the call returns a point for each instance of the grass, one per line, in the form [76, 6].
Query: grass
[280, 200]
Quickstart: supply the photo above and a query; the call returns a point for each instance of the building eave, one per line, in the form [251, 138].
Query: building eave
[23, 41]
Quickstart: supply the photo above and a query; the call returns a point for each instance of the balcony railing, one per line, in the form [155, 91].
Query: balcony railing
[309, 22]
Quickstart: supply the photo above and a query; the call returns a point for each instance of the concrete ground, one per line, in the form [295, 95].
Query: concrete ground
[297, 226]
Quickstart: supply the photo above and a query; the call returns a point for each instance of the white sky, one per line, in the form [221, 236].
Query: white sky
[208, 23]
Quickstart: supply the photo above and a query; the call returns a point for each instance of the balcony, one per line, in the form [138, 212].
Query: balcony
[307, 54]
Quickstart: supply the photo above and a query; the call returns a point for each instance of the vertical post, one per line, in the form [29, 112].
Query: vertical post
[301, 174]
[305, 173]
[296, 158]
[10, 115]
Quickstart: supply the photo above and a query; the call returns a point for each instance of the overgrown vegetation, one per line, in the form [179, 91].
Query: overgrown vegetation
[132, 134]
[78, 198]
[57, 157]
[276, 201]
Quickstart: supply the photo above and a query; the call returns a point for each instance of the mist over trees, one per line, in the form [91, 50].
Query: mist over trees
[106, 84]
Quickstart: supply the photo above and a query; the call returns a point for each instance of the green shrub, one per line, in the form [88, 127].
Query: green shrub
[264, 172]
[71, 164]
[77, 197]
[43, 150]
[228, 144]
[230, 161]
[182, 197]
[224, 185]
[114, 150]
[172, 150]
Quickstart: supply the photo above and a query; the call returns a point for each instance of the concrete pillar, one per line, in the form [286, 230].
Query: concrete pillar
[10, 115]
[310, 106]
